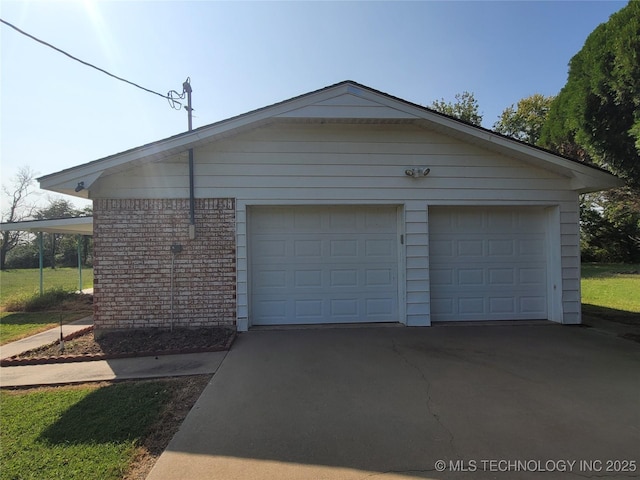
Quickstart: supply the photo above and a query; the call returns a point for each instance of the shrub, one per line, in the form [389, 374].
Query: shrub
[49, 300]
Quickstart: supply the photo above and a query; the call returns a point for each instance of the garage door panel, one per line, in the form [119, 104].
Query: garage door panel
[308, 310]
[442, 276]
[501, 276]
[536, 305]
[302, 222]
[307, 248]
[441, 248]
[471, 305]
[501, 305]
[501, 247]
[338, 264]
[379, 277]
[380, 307]
[307, 278]
[487, 263]
[344, 277]
[532, 276]
[381, 248]
[344, 248]
[470, 248]
[531, 246]
[342, 221]
[470, 276]
[271, 279]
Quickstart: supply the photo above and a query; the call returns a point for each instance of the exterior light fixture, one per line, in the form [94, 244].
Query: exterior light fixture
[80, 186]
[417, 172]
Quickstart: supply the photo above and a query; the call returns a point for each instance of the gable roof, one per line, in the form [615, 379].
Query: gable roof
[348, 102]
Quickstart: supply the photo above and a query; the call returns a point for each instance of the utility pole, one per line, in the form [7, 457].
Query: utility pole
[174, 98]
[186, 86]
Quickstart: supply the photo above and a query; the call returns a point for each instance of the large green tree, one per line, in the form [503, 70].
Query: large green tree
[599, 107]
[596, 117]
[525, 120]
[465, 107]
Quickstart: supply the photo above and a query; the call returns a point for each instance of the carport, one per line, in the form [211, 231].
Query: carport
[80, 226]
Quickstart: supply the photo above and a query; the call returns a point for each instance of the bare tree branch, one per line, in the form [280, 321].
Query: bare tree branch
[17, 209]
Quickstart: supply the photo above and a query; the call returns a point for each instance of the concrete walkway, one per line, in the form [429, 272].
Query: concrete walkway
[116, 369]
[101, 370]
[43, 338]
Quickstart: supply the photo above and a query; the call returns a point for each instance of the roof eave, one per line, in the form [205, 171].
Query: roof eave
[67, 181]
[73, 225]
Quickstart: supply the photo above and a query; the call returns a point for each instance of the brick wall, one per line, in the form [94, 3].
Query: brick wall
[132, 264]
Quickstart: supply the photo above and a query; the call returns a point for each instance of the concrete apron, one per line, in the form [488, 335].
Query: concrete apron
[390, 403]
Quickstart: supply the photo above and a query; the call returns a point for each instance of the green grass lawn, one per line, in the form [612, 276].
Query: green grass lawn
[27, 281]
[17, 325]
[614, 286]
[76, 432]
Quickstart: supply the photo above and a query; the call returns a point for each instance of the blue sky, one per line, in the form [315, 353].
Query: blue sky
[57, 113]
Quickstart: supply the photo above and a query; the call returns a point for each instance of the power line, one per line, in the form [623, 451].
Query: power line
[171, 99]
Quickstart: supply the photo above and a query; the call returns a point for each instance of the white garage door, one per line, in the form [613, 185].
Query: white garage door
[312, 265]
[487, 263]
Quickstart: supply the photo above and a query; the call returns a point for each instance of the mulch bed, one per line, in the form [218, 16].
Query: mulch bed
[81, 346]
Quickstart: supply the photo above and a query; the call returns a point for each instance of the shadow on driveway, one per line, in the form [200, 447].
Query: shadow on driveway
[390, 402]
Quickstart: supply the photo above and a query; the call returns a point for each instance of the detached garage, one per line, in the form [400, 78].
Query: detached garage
[343, 205]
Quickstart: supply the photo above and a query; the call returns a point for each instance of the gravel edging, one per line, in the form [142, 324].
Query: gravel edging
[15, 361]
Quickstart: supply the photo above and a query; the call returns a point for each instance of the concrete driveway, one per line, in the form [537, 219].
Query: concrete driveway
[506, 402]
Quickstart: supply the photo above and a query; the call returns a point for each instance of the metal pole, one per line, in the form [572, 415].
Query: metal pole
[173, 261]
[186, 86]
[41, 260]
[80, 263]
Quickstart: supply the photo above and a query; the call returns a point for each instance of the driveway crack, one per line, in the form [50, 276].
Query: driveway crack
[429, 401]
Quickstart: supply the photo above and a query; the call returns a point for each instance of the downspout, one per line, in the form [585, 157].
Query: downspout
[192, 199]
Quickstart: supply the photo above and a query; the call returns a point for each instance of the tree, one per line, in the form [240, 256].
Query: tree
[610, 226]
[464, 108]
[57, 208]
[597, 113]
[18, 209]
[599, 107]
[525, 120]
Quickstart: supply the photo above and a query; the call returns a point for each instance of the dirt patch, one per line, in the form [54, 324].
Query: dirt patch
[84, 346]
[184, 393]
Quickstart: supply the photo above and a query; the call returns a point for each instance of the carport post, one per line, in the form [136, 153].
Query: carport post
[41, 259]
[79, 263]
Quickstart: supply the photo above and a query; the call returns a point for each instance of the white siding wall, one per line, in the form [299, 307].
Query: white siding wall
[417, 264]
[360, 163]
